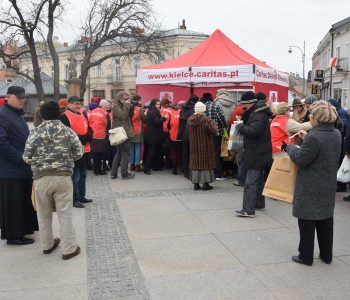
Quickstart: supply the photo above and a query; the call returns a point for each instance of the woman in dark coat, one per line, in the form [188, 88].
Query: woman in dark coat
[153, 135]
[187, 110]
[201, 130]
[316, 182]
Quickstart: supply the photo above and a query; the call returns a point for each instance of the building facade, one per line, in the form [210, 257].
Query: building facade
[333, 81]
[114, 75]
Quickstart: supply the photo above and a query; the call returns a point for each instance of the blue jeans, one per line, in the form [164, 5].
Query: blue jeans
[253, 188]
[135, 153]
[79, 181]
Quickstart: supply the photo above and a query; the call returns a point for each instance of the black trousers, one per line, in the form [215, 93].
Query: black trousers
[17, 216]
[186, 158]
[153, 158]
[218, 168]
[97, 159]
[324, 229]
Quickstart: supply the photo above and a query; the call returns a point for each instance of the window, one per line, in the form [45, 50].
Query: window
[117, 70]
[98, 71]
[136, 64]
[98, 93]
[236, 95]
[66, 71]
[337, 52]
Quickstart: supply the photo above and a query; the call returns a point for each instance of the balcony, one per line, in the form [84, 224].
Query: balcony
[343, 65]
[114, 79]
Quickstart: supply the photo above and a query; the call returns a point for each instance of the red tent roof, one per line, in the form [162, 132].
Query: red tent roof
[216, 50]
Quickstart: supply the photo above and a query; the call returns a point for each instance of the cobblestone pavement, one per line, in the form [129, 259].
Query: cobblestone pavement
[112, 268]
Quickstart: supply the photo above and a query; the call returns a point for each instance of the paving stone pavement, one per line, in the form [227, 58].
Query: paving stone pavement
[155, 238]
[112, 268]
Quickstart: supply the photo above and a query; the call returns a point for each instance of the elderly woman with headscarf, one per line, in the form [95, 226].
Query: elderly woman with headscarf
[201, 130]
[153, 135]
[316, 182]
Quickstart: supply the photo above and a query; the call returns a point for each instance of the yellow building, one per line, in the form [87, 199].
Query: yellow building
[114, 75]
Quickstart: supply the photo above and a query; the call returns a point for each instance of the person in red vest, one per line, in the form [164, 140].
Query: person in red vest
[2, 101]
[79, 124]
[174, 143]
[100, 123]
[138, 117]
[278, 129]
[165, 111]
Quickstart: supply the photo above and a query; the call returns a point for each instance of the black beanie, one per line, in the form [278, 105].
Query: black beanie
[260, 96]
[248, 98]
[50, 110]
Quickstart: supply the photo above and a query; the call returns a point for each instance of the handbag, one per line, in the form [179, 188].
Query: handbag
[224, 150]
[235, 142]
[280, 183]
[343, 174]
[117, 136]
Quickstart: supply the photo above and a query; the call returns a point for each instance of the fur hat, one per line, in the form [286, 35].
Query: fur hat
[221, 92]
[200, 107]
[16, 90]
[261, 96]
[248, 98]
[50, 110]
[323, 112]
[282, 108]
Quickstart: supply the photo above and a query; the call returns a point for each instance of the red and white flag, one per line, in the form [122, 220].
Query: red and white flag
[333, 62]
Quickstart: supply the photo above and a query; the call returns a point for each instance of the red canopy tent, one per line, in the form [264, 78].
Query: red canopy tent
[215, 63]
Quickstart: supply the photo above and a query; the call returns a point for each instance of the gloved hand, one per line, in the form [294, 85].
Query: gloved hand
[284, 146]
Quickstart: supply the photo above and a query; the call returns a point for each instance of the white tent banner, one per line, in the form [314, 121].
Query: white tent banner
[241, 73]
[266, 75]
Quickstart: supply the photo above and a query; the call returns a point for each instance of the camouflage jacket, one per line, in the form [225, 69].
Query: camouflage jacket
[51, 149]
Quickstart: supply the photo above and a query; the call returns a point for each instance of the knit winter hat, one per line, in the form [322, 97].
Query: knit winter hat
[323, 112]
[310, 99]
[104, 103]
[282, 108]
[200, 107]
[248, 98]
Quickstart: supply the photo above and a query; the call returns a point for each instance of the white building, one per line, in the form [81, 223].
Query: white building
[336, 80]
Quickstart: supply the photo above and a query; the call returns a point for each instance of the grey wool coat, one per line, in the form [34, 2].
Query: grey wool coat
[316, 182]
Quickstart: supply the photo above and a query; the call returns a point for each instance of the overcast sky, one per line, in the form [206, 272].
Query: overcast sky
[264, 28]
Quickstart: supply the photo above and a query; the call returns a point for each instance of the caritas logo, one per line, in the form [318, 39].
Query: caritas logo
[273, 96]
[166, 95]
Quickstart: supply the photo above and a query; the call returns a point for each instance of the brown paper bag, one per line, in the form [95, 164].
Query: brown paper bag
[281, 181]
[224, 150]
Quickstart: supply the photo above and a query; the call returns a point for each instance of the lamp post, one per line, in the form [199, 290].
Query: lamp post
[303, 60]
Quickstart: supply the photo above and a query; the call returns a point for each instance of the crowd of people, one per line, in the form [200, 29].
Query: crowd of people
[187, 137]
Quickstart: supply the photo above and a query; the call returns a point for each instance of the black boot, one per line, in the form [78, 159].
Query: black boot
[207, 187]
[196, 186]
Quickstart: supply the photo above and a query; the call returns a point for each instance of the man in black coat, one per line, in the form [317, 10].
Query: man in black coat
[17, 216]
[257, 151]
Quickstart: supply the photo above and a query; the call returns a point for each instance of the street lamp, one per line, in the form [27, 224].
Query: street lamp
[303, 60]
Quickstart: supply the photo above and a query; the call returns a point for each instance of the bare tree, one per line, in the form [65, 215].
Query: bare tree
[24, 23]
[52, 6]
[128, 25]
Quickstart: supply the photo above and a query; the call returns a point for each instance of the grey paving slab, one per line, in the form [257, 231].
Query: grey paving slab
[341, 238]
[259, 247]
[150, 205]
[215, 285]
[113, 271]
[345, 259]
[145, 226]
[225, 220]
[281, 212]
[183, 255]
[27, 269]
[208, 202]
[296, 281]
[67, 292]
